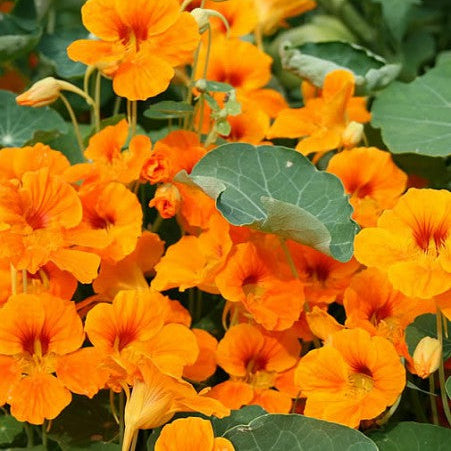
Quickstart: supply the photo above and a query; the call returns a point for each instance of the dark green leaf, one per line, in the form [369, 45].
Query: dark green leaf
[408, 436]
[10, 428]
[296, 432]
[448, 387]
[19, 124]
[242, 416]
[416, 117]
[412, 386]
[82, 422]
[168, 109]
[314, 61]
[278, 190]
[426, 326]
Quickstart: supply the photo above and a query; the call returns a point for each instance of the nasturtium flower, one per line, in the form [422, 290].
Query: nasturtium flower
[353, 377]
[191, 434]
[35, 332]
[139, 43]
[412, 243]
[322, 122]
[371, 178]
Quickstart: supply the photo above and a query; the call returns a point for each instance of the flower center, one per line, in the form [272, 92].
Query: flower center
[361, 383]
[430, 238]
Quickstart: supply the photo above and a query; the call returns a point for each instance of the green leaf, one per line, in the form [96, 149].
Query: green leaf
[242, 416]
[412, 386]
[54, 48]
[314, 61]
[416, 117]
[168, 109]
[83, 421]
[296, 432]
[10, 428]
[426, 326]
[216, 86]
[17, 37]
[395, 15]
[277, 190]
[408, 436]
[448, 387]
[19, 124]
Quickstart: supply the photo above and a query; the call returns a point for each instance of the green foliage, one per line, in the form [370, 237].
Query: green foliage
[10, 428]
[408, 436]
[277, 190]
[416, 117]
[20, 124]
[425, 326]
[448, 387]
[168, 109]
[296, 432]
[314, 61]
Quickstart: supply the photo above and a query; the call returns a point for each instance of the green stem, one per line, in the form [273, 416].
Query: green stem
[97, 100]
[121, 416]
[433, 400]
[73, 118]
[157, 223]
[44, 436]
[441, 368]
[117, 105]
[418, 407]
[191, 303]
[29, 432]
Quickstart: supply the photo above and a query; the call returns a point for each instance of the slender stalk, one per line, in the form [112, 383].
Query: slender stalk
[113, 407]
[134, 116]
[191, 302]
[117, 105]
[73, 118]
[433, 400]
[13, 272]
[157, 223]
[97, 100]
[44, 436]
[29, 432]
[441, 369]
[419, 411]
[121, 416]
[134, 441]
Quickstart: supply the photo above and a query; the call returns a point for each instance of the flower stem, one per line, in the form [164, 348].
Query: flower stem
[97, 101]
[29, 432]
[121, 416]
[441, 369]
[44, 436]
[73, 118]
[432, 399]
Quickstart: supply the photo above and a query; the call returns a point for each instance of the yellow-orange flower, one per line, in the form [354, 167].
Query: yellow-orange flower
[191, 434]
[36, 331]
[323, 120]
[353, 377]
[412, 243]
[139, 43]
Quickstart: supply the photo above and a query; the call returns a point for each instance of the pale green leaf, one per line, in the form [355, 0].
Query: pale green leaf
[296, 432]
[9, 429]
[19, 124]
[278, 190]
[416, 117]
[313, 61]
[168, 109]
[242, 416]
[409, 436]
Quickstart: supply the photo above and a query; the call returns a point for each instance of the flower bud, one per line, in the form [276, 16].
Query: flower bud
[427, 355]
[42, 93]
[352, 134]
[166, 200]
[202, 17]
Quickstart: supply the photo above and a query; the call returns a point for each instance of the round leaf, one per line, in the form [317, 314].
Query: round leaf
[277, 190]
[19, 124]
[296, 432]
[416, 117]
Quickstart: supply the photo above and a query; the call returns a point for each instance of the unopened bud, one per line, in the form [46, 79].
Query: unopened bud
[166, 200]
[352, 134]
[42, 93]
[202, 17]
[427, 355]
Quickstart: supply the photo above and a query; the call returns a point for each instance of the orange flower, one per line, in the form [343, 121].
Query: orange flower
[207, 254]
[179, 150]
[35, 332]
[256, 357]
[353, 377]
[412, 243]
[205, 365]
[324, 278]
[166, 200]
[371, 178]
[133, 329]
[114, 214]
[140, 42]
[271, 13]
[155, 400]
[36, 218]
[129, 273]
[108, 161]
[274, 303]
[322, 120]
[191, 434]
[372, 304]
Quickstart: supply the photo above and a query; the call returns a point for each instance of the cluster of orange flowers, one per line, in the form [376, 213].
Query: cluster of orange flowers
[63, 224]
